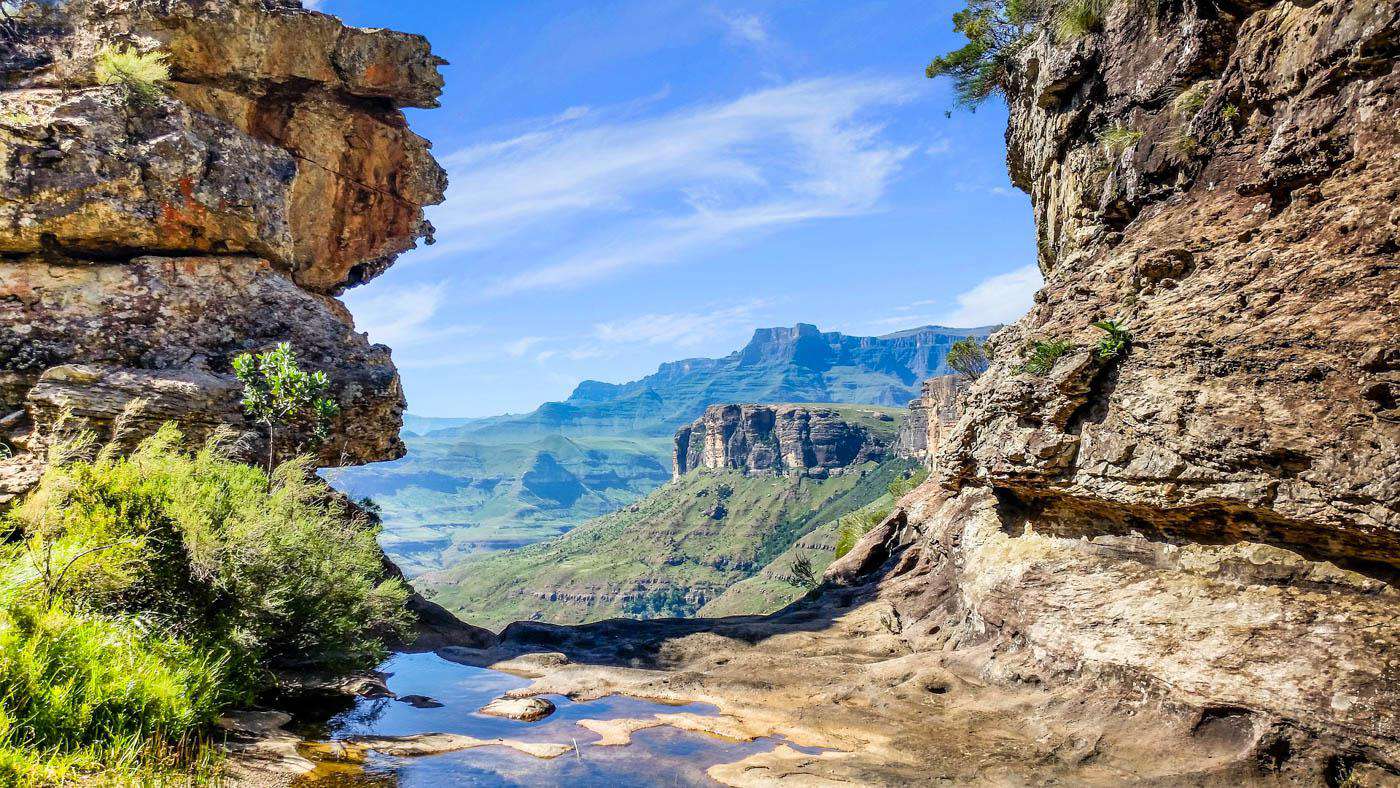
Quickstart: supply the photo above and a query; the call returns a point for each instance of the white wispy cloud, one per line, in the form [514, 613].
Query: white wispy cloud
[999, 299]
[402, 317]
[747, 28]
[679, 329]
[630, 191]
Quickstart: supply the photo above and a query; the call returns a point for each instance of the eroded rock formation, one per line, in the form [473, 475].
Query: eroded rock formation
[1211, 518]
[770, 439]
[146, 242]
[931, 417]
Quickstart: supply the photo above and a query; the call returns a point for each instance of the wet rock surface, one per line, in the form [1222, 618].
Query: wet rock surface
[523, 709]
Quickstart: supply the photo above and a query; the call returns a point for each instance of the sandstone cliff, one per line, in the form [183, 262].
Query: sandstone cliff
[773, 439]
[930, 418]
[145, 243]
[1211, 519]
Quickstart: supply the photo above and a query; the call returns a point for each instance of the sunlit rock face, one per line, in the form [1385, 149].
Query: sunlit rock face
[774, 439]
[147, 243]
[1211, 518]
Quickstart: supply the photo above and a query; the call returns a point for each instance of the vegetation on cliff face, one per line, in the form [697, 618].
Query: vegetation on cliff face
[142, 594]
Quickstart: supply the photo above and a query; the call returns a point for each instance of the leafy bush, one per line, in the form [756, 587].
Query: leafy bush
[142, 594]
[1115, 340]
[1117, 138]
[1230, 113]
[277, 392]
[265, 569]
[143, 74]
[1043, 356]
[968, 357]
[996, 31]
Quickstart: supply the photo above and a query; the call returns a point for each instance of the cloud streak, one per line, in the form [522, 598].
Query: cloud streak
[620, 191]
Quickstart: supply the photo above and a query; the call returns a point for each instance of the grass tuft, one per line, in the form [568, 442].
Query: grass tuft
[1078, 18]
[1043, 356]
[1117, 138]
[143, 74]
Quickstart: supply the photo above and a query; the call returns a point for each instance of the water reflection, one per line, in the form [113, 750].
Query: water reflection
[660, 756]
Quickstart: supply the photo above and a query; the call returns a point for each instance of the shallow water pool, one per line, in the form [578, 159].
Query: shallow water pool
[662, 756]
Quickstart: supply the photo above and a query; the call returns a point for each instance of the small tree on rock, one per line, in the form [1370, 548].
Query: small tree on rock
[277, 392]
[968, 357]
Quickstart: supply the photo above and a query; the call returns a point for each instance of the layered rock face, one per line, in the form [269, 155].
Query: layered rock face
[931, 417]
[145, 243]
[1209, 521]
[773, 439]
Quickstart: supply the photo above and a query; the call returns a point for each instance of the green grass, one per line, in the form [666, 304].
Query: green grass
[1117, 138]
[1078, 18]
[141, 595]
[1044, 354]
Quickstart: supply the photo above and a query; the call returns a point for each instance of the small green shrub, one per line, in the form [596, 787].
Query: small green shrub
[143, 74]
[1185, 144]
[1230, 113]
[1117, 138]
[968, 357]
[1191, 100]
[802, 574]
[278, 393]
[1044, 354]
[1115, 341]
[1078, 18]
[855, 525]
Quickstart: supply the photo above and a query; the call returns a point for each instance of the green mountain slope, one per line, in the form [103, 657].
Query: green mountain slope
[666, 555]
[478, 485]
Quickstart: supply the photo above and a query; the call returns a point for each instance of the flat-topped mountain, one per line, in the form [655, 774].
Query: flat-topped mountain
[784, 472]
[773, 439]
[471, 485]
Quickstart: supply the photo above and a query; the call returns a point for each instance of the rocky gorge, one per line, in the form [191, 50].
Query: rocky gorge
[1171, 562]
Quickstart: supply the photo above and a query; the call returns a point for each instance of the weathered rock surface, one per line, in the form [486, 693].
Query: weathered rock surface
[144, 244]
[931, 417]
[771, 439]
[1175, 565]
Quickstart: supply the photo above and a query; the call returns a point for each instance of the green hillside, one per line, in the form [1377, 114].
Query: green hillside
[667, 555]
[478, 485]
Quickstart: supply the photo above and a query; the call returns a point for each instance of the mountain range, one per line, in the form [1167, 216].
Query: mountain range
[486, 484]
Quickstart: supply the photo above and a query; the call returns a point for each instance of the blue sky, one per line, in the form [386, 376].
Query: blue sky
[639, 181]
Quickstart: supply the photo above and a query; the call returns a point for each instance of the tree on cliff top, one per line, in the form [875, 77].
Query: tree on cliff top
[996, 31]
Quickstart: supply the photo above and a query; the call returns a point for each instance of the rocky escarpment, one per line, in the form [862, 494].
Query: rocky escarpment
[773, 439]
[145, 242]
[930, 418]
[1209, 520]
